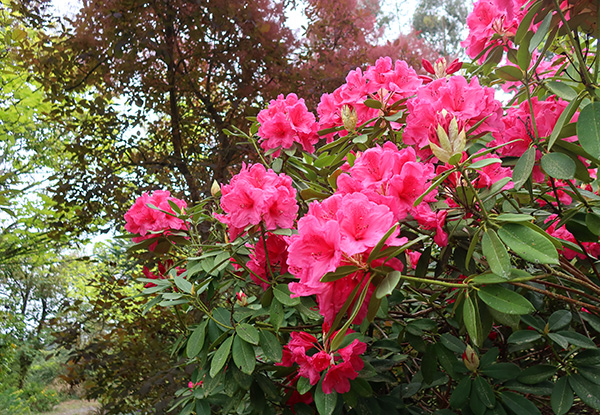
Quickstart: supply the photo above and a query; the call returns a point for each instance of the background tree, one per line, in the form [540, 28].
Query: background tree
[442, 24]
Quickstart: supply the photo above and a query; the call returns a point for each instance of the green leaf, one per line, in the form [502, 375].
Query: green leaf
[592, 221]
[484, 391]
[526, 22]
[248, 333]
[563, 119]
[196, 341]
[577, 225]
[303, 385]
[514, 217]
[483, 163]
[495, 253]
[509, 73]
[559, 319]
[561, 89]
[560, 340]
[325, 402]
[504, 300]
[523, 168]
[220, 357]
[536, 374]
[558, 165]
[593, 321]
[528, 244]
[276, 314]
[472, 320]
[587, 391]
[282, 294]
[183, 284]
[389, 283]
[590, 373]
[588, 129]
[524, 337]
[243, 355]
[461, 393]
[339, 273]
[562, 396]
[271, 346]
[578, 339]
[371, 103]
[518, 404]
[502, 371]
[540, 33]
[446, 358]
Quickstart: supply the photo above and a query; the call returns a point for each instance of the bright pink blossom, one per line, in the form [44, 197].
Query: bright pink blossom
[287, 121]
[592, 248]
[277, 253]
[313, 359]
[149, 222]
[443, 99]
[258, 195]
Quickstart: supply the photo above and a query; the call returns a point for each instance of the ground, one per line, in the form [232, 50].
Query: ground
[74, 407]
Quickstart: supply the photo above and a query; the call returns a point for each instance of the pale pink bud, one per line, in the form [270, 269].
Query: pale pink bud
[470, 359]
[241, 299]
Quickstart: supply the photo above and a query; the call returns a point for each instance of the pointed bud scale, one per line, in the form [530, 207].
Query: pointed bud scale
[349, 117]
[428, 66]
[215, 189]
[455, 66]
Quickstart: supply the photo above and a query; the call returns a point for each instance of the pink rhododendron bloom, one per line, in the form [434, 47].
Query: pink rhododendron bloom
[313, 359]
[287, 121]
[277, 253]
[149, 222]
[518, 125]
[492, 22]
[258, 195]
[431, 220]
[162, 270]
[592, 248]
[439, 101]
[385, 81]
[388, 176]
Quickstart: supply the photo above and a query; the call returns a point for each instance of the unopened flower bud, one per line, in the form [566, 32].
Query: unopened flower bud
[452, 143]
[241, 299]
[349, 117]
[470, 359]
[215, 189]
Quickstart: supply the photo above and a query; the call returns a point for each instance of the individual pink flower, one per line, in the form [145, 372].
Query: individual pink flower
[276, 253]
[258, 195]
[439, 101]
[287, 121]
[149, 222]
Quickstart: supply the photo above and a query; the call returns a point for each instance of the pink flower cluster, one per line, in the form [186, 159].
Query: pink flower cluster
[341, 366]
[492, 22]
[341, 230]
[443, 99]
[287, 121]
[150, 222]
[162, 269]
[385, 81]
[276, 254]
[592, 248]
[256, 195]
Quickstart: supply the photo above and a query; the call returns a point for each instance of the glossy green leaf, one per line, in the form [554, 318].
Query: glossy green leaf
[519, 404]
[243, 355]
[271, 346]
[502, 371]
[509, 73]
[460, 395]
[561, 89]
[578, 339]
[523, 168]
[248, 333]
[495, 253]
[325, 402]
[282, 293]
[588, 129]
[484, 163]
[592, 221]
[536, 374]
[528, 244]
[339, 273]
[484, 391]
[559, 339]
[183, 284]
[472, 321]
[196, 341]
[504, 300]
[514, 217]
[587, 391]
[540, 33]
[590, 373]
[564, 119]
[524, 336]
[559, 320]
[558, 165]
[220, 357]
[389, 283]
[562, 398]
